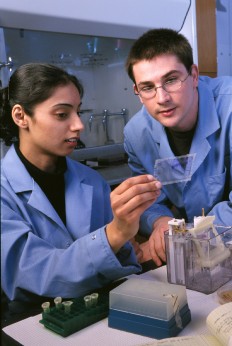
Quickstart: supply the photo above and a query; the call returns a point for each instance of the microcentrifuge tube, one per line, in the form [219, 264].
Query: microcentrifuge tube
[58, 302]
[88, 301]
[46, 307]
[94, 298]
[67, 305]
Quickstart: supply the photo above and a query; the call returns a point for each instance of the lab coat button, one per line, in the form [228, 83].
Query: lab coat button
[94, 236]
[67, 245]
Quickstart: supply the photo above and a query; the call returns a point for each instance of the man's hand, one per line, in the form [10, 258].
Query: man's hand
[137, 249]
[128, 201]
[156, 240]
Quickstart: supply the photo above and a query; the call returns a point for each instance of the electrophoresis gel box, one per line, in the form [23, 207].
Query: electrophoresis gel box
[199, 256]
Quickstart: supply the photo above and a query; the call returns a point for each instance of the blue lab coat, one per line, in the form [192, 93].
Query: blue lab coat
[39, 253]
[211, 182]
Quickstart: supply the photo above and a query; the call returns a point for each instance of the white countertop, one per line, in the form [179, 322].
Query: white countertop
[30, 332]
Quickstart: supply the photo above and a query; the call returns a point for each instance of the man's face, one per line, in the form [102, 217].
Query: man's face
[176, 110]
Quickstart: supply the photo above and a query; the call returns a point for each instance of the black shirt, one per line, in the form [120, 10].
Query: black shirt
[52, 184]
[180, 142]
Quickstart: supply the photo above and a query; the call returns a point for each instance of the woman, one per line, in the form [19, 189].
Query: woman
[63, 234]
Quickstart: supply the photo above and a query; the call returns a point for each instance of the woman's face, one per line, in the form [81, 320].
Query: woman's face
[54, 128]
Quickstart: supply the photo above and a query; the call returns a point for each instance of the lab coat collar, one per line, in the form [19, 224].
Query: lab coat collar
[208, 124]
[75, 197]
[11, 163]
[23, 183]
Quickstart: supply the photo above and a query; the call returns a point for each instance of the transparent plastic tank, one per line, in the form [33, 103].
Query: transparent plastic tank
[199, 256]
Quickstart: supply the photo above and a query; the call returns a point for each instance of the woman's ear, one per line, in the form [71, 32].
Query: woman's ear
[19, 116]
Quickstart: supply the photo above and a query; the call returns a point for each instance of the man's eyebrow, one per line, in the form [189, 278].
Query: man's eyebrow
[169, 73]
[166, 75]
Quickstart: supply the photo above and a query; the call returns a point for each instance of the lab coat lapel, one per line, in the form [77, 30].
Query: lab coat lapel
[39, 201]
[203, 144]
[24, 184]
[207, 125]
[78, 199]
[162, 140]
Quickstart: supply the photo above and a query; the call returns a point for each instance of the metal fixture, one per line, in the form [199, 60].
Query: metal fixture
[123, 113]
[105, 126]
[105, 119]
[92, 117]
[8, 64]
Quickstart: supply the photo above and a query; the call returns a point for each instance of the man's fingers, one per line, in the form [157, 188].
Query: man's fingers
[157, 248]
[153, 253]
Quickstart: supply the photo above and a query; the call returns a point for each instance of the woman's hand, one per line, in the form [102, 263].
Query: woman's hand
[128, 201]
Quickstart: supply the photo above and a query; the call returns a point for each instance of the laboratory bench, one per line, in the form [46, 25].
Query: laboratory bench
[30, 331]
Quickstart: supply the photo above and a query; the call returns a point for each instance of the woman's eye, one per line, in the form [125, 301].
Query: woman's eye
[62, 115]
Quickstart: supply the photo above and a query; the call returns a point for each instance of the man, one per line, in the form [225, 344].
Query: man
[182, 114]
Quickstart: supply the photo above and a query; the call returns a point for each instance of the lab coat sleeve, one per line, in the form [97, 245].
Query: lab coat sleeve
[223, 210]
[32, 264]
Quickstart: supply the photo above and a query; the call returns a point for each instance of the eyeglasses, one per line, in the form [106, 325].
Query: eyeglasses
[171, 85]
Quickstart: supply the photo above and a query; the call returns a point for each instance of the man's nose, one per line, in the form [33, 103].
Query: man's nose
[162, 96]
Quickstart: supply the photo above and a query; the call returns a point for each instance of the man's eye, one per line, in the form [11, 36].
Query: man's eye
[147, 89]
[172, 80]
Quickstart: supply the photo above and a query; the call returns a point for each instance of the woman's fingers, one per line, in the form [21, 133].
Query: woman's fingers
[134, 193]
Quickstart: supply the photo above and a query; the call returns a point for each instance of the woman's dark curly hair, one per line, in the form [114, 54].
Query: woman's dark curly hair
[30, 85]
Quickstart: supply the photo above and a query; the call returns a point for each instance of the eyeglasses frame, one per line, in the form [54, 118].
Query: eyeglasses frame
[162, 86]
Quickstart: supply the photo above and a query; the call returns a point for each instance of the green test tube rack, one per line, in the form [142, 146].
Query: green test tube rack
[80, 315]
